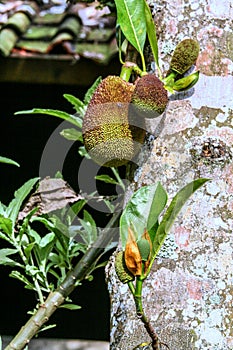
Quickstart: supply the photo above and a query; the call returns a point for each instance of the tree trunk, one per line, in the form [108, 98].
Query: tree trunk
[189, 293]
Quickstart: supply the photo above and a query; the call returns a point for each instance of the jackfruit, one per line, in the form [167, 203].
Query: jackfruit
[149, 98]
[184, 56]
[107, 134]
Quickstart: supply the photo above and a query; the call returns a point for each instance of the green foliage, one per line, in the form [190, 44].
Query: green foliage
[8, 161]
[152, 37]
[133, 23]
[143, 212]
[42, 259]
[55, 113]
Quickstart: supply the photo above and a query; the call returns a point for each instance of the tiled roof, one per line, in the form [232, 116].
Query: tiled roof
[45, 28]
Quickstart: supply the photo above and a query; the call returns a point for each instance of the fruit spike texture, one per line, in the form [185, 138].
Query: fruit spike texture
[107, 135]
[184, 56]
[149, 98]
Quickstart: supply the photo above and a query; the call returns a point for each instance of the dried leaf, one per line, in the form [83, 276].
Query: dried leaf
[52, 194]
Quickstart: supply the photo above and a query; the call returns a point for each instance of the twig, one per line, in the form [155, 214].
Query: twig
[56, 298]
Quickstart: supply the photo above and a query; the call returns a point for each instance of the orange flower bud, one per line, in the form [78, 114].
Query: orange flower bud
[133, 258]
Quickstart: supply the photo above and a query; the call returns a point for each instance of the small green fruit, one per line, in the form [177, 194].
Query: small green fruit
[184, 56]
[122, 272]
[149, 98]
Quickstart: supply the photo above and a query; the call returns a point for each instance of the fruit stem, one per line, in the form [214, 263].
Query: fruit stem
[169, 80]
[126, 71]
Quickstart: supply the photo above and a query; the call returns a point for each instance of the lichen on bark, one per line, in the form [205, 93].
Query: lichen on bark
[188, 295]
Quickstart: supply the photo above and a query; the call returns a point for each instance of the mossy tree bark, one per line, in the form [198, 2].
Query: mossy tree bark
[188, 296]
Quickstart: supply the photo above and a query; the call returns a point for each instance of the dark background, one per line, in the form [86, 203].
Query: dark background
[23, 138]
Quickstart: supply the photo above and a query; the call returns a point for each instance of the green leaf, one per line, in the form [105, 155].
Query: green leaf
[55, 113]
[47, 239]
[3, 208]
[4, 237]
[17, 275]
[34, 235]
[132, 20]
[89, 225]
[151, 33]
[79, 106]
[83, 153]
[45, 328]
[8, 161]
[70, 306]
[28, 249]
[72, 134]
[20, 195]
[74, 209]
[107, 179]
[6, 225]
[91, 90]
[138, 212]
[0, 343]
[172, 212]
[4, 260]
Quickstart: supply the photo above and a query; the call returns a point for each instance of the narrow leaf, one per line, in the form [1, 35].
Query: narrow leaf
[8, 161]
[132, 20]
[107, 179]
[74, 210]
[173, 210]
[91, 90]
[4, 253]
[22, 278]
[20, 195]
[60, 114]
[72, 134]
[151, 33]
[79, 106]
[70, 306]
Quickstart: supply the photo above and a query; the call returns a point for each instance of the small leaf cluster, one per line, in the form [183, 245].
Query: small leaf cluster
[41, 258]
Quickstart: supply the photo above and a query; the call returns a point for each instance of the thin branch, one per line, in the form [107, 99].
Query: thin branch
[56, 298]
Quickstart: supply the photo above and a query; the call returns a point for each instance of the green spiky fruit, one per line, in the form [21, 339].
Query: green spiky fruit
[184, 56]
[107, 135]
[122, 272]
[149, 98]
[144, 248]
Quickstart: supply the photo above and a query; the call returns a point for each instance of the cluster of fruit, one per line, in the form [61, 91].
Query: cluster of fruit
[114, 124]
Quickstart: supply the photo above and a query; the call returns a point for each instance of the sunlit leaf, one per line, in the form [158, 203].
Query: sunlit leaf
[55, 113]
[91, 90]
[151, 33]
[4, 257]
[72, 134]
[70, 306]
[78, 105]
[20, 195]
[8, 161]
[22, 278]
[132, 21]
[138, 213]
[47, 239]
[6, 225]
[107, 179]
[173, 210]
